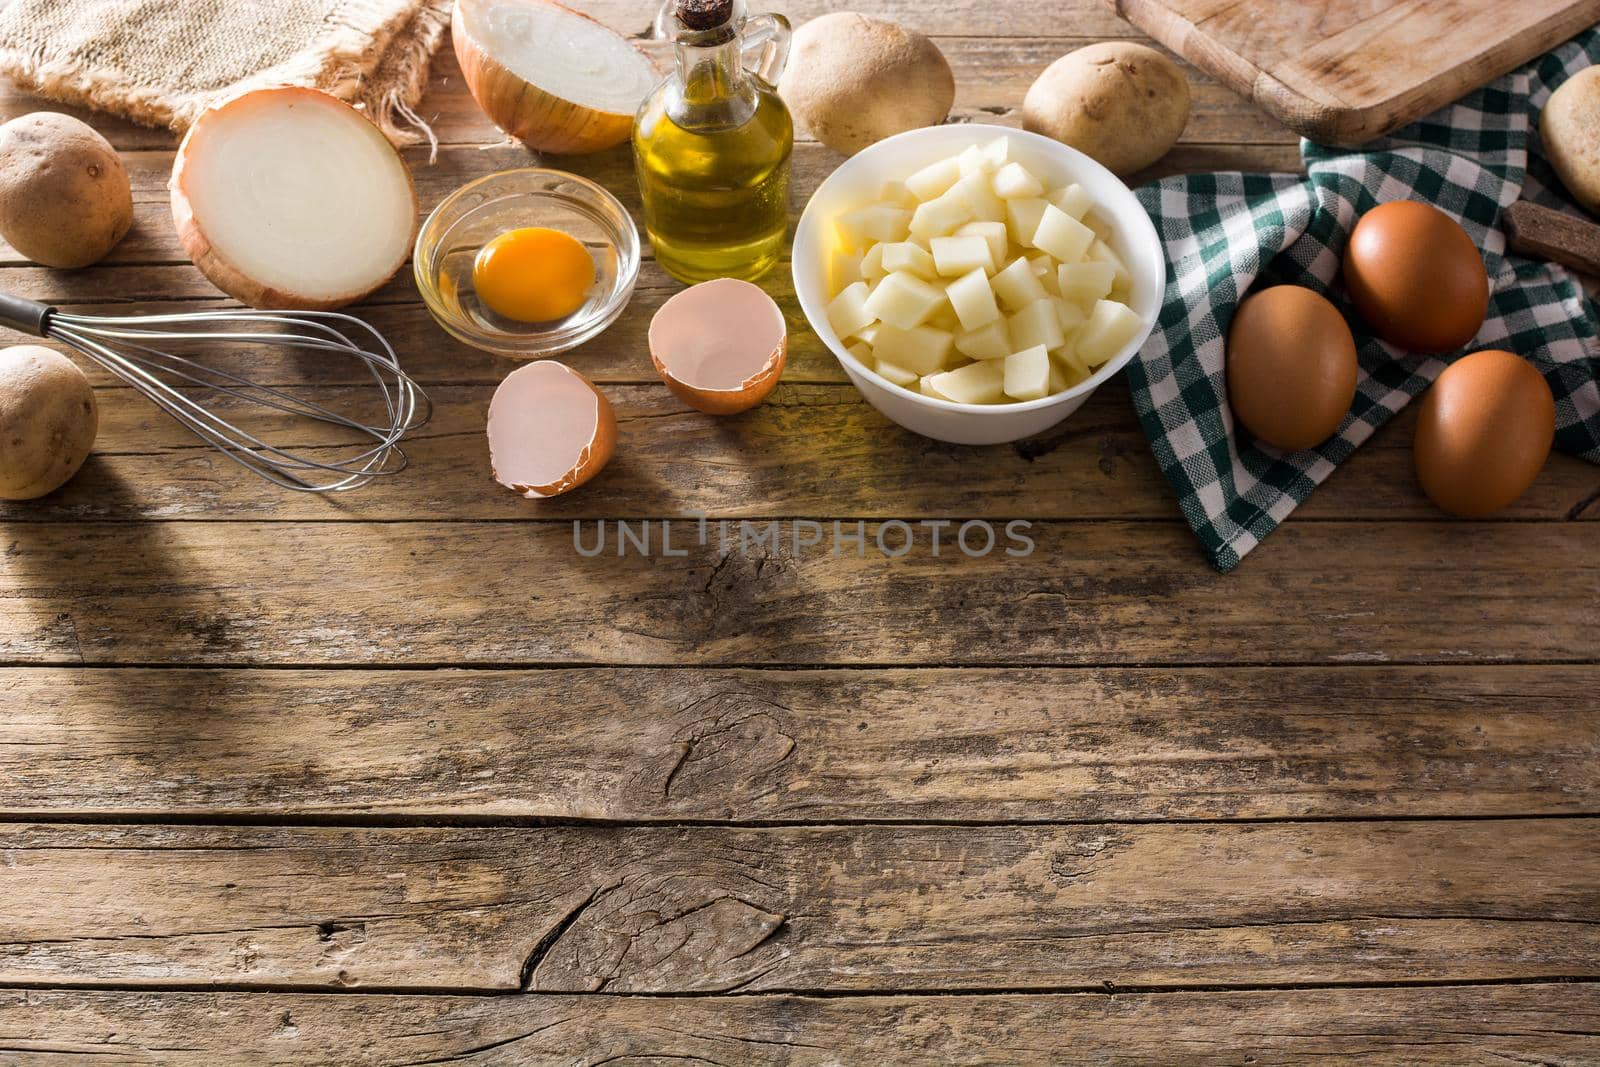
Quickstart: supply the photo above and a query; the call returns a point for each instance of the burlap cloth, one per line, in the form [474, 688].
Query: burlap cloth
[163, 62]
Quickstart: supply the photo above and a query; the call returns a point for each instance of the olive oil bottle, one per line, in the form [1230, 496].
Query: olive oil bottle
[712, 145]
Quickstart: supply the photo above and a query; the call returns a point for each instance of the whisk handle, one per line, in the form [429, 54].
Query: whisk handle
[29, 316]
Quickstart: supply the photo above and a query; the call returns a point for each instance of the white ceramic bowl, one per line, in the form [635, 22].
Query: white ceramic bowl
[857, 182]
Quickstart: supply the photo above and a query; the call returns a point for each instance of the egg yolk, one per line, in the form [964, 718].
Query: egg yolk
[533, 274]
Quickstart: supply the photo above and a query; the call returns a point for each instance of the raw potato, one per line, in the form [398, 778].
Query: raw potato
[64, 195]
[854, 80]
[1119, 103]
[48, 420]
[1570, 129]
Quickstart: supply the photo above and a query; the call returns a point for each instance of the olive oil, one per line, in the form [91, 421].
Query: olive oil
[712, 144]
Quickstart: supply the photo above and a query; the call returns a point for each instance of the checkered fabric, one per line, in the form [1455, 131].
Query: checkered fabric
[1227, 232]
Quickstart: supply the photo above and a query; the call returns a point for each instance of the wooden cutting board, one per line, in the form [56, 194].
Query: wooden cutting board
[1345, 71]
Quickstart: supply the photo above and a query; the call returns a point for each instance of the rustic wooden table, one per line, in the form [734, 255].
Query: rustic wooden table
[399, 777]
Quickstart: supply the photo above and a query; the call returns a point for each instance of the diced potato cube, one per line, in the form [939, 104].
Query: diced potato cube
[982, 382]
[847, 312]
[973, 300]
[1085, 282]
[863, 352]
[923, 350]
[903, 300]
[1017, 286]
[1023, 217]
[1037, 324]
[1058, 379]
[1074, 200]
[878, 222]
[974, 191]
[1121, 294]
[972, 161]
[1062, 236]
[956, 256]
[935, 218]
[934, 180]
[1110, 326]
[1071, 365]
[1101, 252]
[990, 342]
[944, 317]
[897, 374]
[903, 255]
[872, 271]
[1027, 374]
[993, 232]
[997, 153]
[1044, 268]
[1014, 181]
[1070, 315]
[870, 333]
[898, 194]
[927, 388]
[1069, 372]
[1101, 228]
[844, 268]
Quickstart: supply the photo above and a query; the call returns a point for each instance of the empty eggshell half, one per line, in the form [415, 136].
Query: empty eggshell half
[550, 430]
[719, 345]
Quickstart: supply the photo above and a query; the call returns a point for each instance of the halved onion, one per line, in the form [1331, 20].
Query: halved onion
[550, 76]
[291, 198]
[719, 345]
[550, 430]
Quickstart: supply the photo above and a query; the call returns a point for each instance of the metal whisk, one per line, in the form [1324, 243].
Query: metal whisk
[128, 348]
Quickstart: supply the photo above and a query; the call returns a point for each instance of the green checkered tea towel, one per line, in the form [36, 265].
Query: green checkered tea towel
[1227, 232]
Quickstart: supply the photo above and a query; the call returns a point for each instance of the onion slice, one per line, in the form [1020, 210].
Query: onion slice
[291, 198]
[550, 430]
[551, 77]
[719, 345]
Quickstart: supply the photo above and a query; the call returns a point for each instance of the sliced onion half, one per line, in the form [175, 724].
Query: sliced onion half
[550, 76]
[291, 198]
[550, 430]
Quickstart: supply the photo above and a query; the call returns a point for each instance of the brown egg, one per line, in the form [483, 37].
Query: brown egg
[1416, 277]
[1291, 367]
[1485, 429]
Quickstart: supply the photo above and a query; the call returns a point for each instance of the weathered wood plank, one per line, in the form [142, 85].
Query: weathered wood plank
[1089, 593]
[870, 908]
[1443, 1025]
[803, 746]
[675, 461]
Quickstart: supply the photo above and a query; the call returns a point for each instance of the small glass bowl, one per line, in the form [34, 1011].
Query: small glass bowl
[482, 210]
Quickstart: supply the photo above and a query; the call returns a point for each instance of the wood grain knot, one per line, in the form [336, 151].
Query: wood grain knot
[667, 936]
[729, 745]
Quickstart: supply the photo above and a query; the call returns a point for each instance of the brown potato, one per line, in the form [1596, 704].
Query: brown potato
[1569, 126]
[48, 420]
[64, 194]
[853, 80]
[1121, 104]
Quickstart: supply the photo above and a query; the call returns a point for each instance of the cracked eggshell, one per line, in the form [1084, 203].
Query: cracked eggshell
[550, 430]
[719, 345]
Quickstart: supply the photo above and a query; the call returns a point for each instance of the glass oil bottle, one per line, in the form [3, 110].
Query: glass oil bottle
[712, 144]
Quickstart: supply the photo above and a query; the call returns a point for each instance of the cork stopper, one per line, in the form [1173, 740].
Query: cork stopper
[701, 15]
